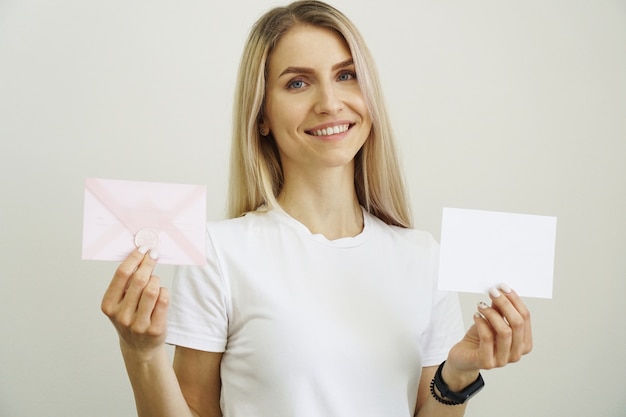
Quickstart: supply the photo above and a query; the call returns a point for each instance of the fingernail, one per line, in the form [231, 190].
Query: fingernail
[505, 288]
[494, 292]
[482, 305]
[143, 249]
[154, 254]
[478, 315]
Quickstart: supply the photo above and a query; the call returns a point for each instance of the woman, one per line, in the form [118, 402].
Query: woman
[318, 298]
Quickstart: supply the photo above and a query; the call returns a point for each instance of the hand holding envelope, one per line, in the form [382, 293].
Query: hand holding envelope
[121, 215]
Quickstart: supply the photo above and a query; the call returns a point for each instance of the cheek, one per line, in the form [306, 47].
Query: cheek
[360, 106]
[286, 116]
[366, 117]
[274, 111]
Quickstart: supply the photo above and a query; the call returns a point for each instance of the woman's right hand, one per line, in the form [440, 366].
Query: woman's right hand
[137, 305]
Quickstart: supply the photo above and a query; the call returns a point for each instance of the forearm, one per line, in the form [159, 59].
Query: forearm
[428, 404]
[155, 386]
[433, 408]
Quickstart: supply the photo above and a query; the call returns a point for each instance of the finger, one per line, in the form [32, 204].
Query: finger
[141, 276]
[159, 314]
[502, 332]
[486, 342]
[136, 285]
[117, 287]
[145, 308]
[524, 314]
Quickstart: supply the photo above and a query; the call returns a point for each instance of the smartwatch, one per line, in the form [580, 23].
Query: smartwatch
[457, 397]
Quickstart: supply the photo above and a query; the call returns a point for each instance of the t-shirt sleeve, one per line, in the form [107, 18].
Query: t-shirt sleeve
[198, 312]
[446, 326]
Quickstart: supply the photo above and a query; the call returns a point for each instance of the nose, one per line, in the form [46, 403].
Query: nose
[328, 100]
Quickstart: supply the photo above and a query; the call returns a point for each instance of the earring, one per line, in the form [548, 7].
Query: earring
[264, 131]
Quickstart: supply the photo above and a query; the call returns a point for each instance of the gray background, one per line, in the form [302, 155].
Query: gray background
[499, 105]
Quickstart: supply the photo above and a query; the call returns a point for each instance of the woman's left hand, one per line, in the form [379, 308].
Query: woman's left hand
[501, 334]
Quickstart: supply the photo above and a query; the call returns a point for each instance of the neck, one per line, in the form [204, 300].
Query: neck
[327, 205]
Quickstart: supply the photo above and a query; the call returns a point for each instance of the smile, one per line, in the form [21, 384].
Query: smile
[331, 130]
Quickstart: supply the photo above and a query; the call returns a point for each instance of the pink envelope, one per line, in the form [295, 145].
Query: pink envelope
[121, 215]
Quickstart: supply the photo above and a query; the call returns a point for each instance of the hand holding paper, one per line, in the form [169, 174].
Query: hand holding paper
[481, 249]
[121, 215]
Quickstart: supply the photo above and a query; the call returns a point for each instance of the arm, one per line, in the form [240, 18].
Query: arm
[137, 306]
[198, 374]
[501, 334]
[427, 405]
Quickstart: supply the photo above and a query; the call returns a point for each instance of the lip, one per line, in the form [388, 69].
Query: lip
[334, 124]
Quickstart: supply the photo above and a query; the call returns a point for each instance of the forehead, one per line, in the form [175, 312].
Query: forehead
[308, 46]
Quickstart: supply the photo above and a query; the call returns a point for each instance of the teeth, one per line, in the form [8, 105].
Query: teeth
[331, 130]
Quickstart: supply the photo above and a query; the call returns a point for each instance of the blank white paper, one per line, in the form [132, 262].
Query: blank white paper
[481, 249]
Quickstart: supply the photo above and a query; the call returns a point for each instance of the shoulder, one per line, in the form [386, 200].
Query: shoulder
[256, 225]
[246, 221]
[408, 236]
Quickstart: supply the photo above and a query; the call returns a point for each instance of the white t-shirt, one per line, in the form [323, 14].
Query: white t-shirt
[313, 327]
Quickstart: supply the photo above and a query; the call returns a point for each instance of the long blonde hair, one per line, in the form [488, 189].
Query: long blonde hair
[256, 176]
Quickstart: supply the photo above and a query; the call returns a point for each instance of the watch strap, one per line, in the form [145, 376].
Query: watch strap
[454, 397]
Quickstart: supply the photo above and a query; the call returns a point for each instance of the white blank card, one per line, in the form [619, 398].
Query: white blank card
[481, 249]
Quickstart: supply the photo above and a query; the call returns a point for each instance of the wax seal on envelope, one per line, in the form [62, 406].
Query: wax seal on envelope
[148, 238]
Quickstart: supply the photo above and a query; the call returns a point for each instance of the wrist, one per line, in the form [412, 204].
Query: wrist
[141, 356]
[457, 380]
[447, 395]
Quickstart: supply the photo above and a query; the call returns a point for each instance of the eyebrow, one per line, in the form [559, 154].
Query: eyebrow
[304, 70]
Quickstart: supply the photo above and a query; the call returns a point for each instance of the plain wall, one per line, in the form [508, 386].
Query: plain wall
[499, 105]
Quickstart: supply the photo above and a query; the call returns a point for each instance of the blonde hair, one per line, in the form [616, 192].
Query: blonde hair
[256, 172]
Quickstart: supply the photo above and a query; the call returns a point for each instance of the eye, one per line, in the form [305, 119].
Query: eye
[296, 84]
[347, 76]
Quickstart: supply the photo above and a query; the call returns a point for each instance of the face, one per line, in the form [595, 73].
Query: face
[314, 106]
